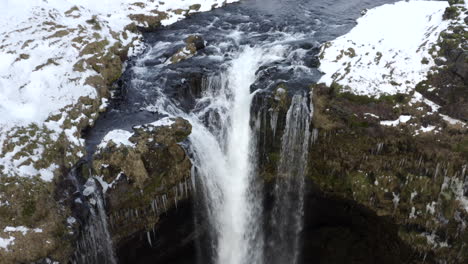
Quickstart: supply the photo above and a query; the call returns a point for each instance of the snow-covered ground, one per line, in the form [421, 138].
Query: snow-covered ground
[388, 51]
[42, 46]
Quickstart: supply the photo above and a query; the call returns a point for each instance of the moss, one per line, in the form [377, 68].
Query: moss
[71, 10]
[350, 52]
[451, 12]
[49, 62]
[344, 163]
[24, 56]
[60, 33]
[152, 21]
[95, 22]
[462, 148]
[324, 48]
[195, 7]
[456, 2]
[139, 4]
[94, 47]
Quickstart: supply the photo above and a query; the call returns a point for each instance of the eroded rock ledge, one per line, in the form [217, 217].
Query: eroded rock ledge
[145, 177]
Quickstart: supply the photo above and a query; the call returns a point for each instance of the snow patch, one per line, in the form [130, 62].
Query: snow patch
[164, 122]
[401, 120]
[21, 229]
[5, 242]
[388, 51]
[119, 137]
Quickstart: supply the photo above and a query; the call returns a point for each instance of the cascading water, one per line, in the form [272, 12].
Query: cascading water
[222, 147]
[288, 211]
[223, 150]
[222, 161]
[95, 244]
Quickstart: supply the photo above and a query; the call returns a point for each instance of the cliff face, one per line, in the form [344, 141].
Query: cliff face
[145, 178]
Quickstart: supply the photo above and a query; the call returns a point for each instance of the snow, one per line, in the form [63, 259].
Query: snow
[28, 95]
[401, 120]
[427, 129]
[371, 115]
[417, 97]
[71, 220]
[452, 121]
[5, 242]
[21, 229]
[384, 53]
[119, 137]
[163, 122]
[41, 42]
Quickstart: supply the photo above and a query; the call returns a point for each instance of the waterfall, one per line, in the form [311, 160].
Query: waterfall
[222, 148]
[94, 244]
[288, 210]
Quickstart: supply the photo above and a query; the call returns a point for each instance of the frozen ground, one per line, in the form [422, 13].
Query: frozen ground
[41, 43]
[388, 51]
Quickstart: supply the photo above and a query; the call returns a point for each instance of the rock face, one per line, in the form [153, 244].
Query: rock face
[448, 86]
[144, 179]
[393, 184]
[416, 181]
[192, 45]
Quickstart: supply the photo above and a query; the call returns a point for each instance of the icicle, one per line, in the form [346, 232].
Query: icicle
[436, 171]
[164, 202]
[315, 134]
[192, 177]
[274, 122]
[152, 206]
[149, 238]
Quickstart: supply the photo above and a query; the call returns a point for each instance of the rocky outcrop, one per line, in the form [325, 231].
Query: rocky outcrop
[415, 180]
[144, 179]
[193, 44]
[448, 84]
[408, 179]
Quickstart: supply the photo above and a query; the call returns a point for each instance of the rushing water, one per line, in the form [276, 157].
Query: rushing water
[223, 155]
[94, 244]
[251, 48]
[288, 211]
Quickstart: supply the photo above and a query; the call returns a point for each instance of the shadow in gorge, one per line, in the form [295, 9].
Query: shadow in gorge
[341, 231]
[336, 230]
[175, 240]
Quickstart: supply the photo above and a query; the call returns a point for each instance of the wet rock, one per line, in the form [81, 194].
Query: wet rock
[193, 44]
[195, 41]
[461, 66]
[410, 180]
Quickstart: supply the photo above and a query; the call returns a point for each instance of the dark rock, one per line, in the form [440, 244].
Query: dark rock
[197, 41]
[461, 66]
[146, 178]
